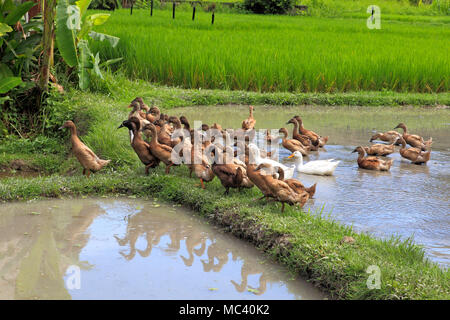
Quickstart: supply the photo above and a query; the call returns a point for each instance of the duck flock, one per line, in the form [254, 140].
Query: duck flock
[232, 156]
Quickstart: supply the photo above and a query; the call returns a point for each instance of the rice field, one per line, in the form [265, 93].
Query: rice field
[281, 53]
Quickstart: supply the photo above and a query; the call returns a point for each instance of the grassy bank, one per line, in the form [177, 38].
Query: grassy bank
[111, 97]
[280, 53]
[309, 244]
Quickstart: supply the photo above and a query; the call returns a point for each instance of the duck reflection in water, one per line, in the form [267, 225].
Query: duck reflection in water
[214, 253]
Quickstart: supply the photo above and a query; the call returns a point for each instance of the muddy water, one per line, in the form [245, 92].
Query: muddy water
[17, 174]
[409, 201]
[130, 249]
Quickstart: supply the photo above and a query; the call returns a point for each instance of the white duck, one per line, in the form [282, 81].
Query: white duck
[255, 154]
[318, 167]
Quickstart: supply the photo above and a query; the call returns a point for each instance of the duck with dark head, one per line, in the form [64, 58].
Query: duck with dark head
[141, 147]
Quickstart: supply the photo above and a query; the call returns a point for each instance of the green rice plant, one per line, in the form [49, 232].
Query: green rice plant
[280, 53]
[336, 8]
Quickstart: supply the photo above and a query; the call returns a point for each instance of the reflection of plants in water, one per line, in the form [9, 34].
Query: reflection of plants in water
[41, 247]
[41, 269]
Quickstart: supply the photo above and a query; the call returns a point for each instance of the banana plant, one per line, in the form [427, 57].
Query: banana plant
[73, 29]
[10, 14]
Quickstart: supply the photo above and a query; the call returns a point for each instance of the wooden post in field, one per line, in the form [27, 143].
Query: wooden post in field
[193, 13]
[131, 9]
[151, 8]
[173, 10]
[212, 18]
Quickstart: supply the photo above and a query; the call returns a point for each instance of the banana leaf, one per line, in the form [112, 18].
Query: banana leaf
[18, 12]
[66, 33]
[84, 64]
[90, 21]
[9, 83]
[83, 5]
[4, 29]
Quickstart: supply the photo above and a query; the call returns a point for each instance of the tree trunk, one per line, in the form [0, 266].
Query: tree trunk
[48, 15]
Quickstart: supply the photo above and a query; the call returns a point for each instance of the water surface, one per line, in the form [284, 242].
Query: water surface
[131, 249]
[408, 201]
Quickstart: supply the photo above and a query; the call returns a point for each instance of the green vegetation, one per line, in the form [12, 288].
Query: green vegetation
[337, 8]
[18, 54]
[280, 53]
[269, 6]
[310, 244]
[288, 60]
[72, 39]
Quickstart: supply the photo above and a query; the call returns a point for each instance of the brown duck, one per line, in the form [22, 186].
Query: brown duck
[142, 105]
[153, 114]
[250, 122]
[379, 149]
[389, 136]
[136, 110]
[305, 140]
[164, 135]
[372, 162]
[258, 179]
[280, 189]
[314, 137]
[141, 147]
[269, 137]
[296, 185]
[160, 151]
[415, 155]
[413, 140]
[292, 144]
[88, 159]
[229, 174]
[200, 166]
[216, 126]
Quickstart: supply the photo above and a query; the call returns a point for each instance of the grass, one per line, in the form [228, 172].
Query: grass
[118, 90]
[334, 8]
[308, 243]
[280, 53]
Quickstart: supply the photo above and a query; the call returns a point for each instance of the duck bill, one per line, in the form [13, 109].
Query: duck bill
[121, 126]
[291, 156]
